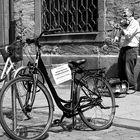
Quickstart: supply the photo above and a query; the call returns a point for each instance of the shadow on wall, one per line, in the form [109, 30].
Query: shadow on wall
[112, 72]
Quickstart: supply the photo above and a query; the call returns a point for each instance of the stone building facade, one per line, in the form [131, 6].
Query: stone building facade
[25, 17]
[29, 17]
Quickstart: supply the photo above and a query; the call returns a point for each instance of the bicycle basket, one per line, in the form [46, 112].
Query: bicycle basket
[16, 51]
[4, 54]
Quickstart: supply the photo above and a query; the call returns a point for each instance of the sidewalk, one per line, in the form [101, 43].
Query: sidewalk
[127, 114]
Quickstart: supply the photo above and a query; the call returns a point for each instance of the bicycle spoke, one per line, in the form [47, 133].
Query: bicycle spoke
[96, 108]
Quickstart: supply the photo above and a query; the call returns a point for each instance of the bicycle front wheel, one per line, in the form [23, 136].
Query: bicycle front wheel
[96, 101]
[19, 120]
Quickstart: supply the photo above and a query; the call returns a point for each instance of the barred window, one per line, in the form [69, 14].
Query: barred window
[72, 16]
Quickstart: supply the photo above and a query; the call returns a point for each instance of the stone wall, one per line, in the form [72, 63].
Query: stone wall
[25, 12]
[24, 15]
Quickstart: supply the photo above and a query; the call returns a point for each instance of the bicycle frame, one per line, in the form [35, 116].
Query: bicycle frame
[57, 99]
[7, 68]
[70, 112]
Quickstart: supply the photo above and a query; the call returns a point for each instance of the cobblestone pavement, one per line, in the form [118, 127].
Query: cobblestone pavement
[127, 120]
[112, 133]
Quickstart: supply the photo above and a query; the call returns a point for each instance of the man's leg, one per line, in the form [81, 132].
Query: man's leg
[131, 59]
[121, 64]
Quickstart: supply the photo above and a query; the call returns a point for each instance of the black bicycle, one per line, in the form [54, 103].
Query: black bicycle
[26, 104]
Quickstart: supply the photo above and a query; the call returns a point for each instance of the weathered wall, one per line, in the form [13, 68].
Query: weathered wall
[93, 61]
[25, 15]
[113, 11]
[4, 22]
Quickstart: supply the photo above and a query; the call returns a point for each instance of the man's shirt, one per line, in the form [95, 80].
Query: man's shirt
[131, 34]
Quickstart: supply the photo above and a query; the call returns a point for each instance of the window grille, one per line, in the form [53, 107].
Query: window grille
[72, 16]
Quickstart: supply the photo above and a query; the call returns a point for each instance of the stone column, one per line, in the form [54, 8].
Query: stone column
[4, 22]
[11, 21]
[37, 17]
[101, 19]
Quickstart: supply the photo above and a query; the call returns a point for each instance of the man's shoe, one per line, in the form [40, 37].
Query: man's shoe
[119, 95]
[131, 90]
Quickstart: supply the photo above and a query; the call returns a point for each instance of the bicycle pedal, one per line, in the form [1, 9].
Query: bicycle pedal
[28, 108]
[116, 105]
[56, 122]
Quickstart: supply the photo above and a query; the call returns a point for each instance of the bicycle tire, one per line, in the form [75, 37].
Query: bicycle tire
[16, 124]
[91, 111]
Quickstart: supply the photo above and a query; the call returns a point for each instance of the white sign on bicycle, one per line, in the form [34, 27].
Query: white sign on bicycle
[61, 74]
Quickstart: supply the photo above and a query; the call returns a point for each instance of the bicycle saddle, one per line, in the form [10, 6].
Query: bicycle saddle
[77, 62]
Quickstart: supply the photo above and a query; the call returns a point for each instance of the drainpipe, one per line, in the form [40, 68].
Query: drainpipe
[12, 22]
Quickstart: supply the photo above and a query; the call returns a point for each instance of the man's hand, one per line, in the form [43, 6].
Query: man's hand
[116, 39]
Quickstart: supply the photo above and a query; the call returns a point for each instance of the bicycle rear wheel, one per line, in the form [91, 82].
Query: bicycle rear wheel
[96, 111]
[18, 119]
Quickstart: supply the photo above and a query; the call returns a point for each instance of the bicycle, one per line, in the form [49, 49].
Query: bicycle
[10, 69]
[29, 68]
[32, 116]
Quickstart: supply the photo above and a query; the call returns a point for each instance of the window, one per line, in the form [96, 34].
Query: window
[72, 16]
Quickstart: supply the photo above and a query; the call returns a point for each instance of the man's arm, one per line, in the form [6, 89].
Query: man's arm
[118, 35]
[131, 30]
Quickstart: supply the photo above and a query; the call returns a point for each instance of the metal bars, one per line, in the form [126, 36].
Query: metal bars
[72, 16]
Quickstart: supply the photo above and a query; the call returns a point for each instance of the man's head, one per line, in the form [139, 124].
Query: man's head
[128, 12]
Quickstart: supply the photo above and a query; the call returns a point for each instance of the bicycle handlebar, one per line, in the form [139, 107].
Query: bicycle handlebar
[50, 31]
[46, 32]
